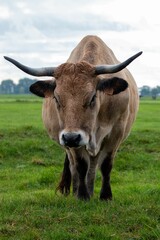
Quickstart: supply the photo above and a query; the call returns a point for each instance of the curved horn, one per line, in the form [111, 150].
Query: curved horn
[102, 69]
[39, 72]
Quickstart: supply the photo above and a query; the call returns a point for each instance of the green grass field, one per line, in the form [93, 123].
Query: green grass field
[31, 165]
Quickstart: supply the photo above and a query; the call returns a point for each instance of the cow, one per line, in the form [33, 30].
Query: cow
[89, 108]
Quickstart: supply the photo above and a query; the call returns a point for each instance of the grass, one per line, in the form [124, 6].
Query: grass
[30, 168]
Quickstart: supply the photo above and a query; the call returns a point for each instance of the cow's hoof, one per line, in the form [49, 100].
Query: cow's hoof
[83, 195]
[106, 197]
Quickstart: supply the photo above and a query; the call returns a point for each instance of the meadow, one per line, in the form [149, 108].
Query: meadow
[31, 165]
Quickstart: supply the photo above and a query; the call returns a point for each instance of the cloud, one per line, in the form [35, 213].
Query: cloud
[5, 13]
[28, 31]
[44, 33]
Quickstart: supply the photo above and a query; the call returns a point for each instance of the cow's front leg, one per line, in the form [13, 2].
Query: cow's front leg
[82, 169]
[91, 175]
[73, 169]
[75, 180]
[106, 167]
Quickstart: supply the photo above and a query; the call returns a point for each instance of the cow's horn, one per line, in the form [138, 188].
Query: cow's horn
[39, 72]
[102, 69]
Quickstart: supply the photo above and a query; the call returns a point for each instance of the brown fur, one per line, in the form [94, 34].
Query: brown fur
[73, 69]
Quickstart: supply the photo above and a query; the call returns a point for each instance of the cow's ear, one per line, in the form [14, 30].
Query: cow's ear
[43, 88]
[112, 86]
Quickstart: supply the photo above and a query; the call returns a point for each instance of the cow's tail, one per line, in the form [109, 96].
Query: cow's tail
[65, 182]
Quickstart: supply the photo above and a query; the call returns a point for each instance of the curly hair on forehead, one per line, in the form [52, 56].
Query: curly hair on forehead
[74, 69]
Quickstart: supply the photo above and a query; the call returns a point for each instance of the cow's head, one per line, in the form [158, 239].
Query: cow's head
[75, 91]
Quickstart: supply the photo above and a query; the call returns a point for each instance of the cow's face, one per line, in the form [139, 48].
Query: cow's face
[77, 103]
[75, 93]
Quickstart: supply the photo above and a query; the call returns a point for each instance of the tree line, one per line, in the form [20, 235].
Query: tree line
[148, 91]
[22, 87]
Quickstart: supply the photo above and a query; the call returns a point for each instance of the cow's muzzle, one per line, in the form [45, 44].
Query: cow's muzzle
[73, 139]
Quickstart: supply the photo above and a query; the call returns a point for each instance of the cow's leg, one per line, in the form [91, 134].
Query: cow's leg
[73, 169]
[82, 169]
[91, 175]
[75, 180]
[106, 167]
[65, 182]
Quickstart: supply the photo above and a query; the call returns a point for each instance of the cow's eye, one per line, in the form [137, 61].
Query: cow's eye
[92, 101]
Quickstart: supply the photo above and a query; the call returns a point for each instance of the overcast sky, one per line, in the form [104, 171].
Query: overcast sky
[44, 32]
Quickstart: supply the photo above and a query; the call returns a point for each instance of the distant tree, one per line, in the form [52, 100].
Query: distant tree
[7, 87]
[154, 93]
[23, 85]
[158, 89]
[145, 91]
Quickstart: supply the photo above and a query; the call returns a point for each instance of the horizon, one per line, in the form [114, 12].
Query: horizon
[45, 34]
[36, 79]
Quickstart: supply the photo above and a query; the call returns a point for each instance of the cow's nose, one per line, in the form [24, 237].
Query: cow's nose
[71, 139]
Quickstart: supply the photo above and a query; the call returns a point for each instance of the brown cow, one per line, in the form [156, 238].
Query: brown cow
[89, 108]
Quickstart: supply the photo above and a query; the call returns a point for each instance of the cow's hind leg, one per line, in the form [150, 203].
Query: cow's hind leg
[65, 182]
[106, 167]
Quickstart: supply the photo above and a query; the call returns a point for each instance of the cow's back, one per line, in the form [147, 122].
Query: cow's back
[93, 50]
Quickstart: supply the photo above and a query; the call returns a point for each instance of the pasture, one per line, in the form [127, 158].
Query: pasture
[31, 165]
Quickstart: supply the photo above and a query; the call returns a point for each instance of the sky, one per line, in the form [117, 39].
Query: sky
[43, 33]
